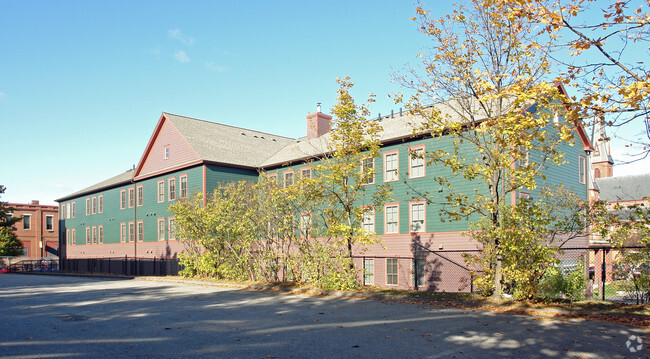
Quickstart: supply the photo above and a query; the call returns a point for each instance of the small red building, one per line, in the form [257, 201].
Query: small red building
[38, 230]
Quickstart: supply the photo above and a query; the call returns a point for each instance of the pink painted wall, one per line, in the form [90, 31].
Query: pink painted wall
[180, 151]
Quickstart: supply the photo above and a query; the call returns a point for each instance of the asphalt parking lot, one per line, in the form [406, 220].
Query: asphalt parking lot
[51, 316]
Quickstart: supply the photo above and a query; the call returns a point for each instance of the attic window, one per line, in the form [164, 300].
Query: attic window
[166, 152]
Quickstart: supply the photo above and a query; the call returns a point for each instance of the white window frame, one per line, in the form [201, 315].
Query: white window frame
[368, 221]
[123, 199]
[285, 175]
[161, 191]
[417, 213]
[140, 227]
[139, 195]
[390, 263]
[161, 229]
[368, 271]
[367, 178]
[100, 203]
[171, 189]
[131, 197]
[123, 233]
[391, 166]
[171, 229]
[305, 224]
[417, 165]
[391, 213]
[182, 186]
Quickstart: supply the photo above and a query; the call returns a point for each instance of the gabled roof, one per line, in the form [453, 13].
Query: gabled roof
[219, 143]
[118, 180]
[624, 188]
[239, 147]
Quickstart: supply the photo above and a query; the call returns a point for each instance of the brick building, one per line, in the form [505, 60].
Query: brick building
[38, 230]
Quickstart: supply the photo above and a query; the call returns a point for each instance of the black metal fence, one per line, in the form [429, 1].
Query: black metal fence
[598, 273]
[122, 266]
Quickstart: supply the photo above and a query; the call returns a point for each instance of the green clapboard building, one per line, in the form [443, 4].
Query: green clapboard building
[127, 215]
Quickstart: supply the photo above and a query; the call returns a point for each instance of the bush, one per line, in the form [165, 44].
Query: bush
[565, 284]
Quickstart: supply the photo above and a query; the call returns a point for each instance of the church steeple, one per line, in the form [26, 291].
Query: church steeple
[601, 158]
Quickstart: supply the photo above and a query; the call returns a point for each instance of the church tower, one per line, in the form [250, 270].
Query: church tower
[601, 158]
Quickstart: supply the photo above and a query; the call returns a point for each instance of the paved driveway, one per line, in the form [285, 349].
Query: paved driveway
[59, 316]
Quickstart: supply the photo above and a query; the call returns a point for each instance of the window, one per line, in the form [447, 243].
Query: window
[87, 235]
[67, 237]
[123, 199]
[272, 178]
[305, 224]
[161, 191]
[66, 211]
[94, 205]
[524, 156]
[183, 184]
[161, 229]
[369, 221]
[100, 234]
[74, 210]
[73, 232]
[122, 232]
[131, 232]
[391, 271]
[166, 152]
[368, 271]
[392, 218]
[140, 231]
[390, 166]
[368, 170]
[172, 229]
[171, 184]
[417, 217]
[87, 206]
[288, 179]
[131, 197]
[27, 221]
[582, 169]
[100, 203]
[140, 196]
[49, 223]
[94, 235]
[416, 162]
[417, 278]
[305, 173]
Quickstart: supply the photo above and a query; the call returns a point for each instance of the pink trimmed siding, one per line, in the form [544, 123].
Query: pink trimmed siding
[145, 250]
[180, 151]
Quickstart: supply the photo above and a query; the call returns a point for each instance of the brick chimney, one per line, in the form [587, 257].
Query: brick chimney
[35, 201]
[318, 124]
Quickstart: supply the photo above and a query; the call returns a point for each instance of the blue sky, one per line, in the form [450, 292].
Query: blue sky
[83, 83]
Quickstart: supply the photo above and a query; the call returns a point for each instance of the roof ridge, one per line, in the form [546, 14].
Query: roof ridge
[231, 126]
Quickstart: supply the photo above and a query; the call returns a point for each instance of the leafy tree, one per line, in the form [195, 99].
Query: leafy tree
[6, 220]
[340, 181]
[10, 246]
[606, 42]
[627, 227]
[486, 77]
[531, 232]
